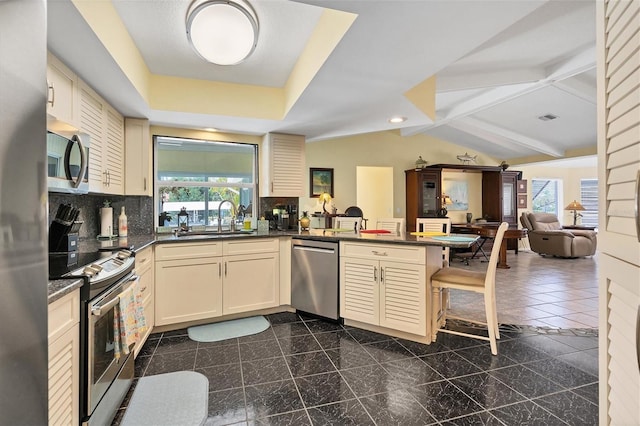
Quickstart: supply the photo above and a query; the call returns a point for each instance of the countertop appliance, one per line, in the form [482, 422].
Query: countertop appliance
[68, 163]
[104, 380]
[23, 225]
[315, 277]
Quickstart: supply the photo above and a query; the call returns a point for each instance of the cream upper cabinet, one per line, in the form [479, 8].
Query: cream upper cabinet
[282, 166]
[64, 360]
[145, 268]
[138, 148]
[105, 127]
[384, 285]
[62, 96]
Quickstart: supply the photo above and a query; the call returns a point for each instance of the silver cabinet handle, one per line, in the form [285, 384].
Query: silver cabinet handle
[219, 270]
[52, 99]
[637, 205]
[225, 269]
[379, 253]
[375, 273]
[382, 275]
[144, 184]
[638, 338]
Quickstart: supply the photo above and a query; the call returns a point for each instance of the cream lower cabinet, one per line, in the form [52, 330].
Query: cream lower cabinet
[206, 280]
[384, 285]
[188, 282]
[64, 360]
[145, 270]
[251, 275]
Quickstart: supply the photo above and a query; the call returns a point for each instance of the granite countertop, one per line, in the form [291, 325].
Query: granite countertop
[59, 288]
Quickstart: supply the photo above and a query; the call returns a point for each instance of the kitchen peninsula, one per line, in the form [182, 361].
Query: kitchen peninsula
[384, 278]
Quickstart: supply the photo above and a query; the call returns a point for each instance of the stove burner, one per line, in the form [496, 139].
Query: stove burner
[99, 269]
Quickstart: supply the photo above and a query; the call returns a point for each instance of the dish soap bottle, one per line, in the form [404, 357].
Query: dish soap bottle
[122, 223]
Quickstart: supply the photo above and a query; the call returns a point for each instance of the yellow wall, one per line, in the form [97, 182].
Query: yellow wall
[387, 148]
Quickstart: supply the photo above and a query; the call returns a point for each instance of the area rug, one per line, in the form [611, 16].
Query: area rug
[179, 398]
[228, 329]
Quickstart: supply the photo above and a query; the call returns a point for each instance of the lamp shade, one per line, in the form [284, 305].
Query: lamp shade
[574, 205]
[223, 32]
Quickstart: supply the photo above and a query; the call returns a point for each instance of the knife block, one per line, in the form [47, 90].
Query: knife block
[63, 236]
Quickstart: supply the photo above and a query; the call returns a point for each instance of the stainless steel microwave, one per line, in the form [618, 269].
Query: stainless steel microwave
[68, 163]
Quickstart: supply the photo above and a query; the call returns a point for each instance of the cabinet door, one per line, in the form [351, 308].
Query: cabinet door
[137, 157]
[509, 203]
[146, 274]
[283, 165]
[423, 195]
[62, 102]
[64, 378]
[92, 112]
[113, 155]
[359, 290]
[403, 297]
[188, 290]
[250, 282]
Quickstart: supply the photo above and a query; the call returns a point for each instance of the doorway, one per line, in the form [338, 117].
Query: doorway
[374, 192]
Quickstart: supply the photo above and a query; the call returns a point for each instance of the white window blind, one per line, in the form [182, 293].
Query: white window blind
[589, 200]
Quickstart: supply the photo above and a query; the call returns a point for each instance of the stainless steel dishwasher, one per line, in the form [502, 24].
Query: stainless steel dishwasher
[314, 277]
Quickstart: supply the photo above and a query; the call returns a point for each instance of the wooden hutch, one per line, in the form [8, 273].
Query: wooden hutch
[499, 188]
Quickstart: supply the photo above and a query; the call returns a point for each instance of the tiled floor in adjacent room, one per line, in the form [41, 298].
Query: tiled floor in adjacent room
[304, 371]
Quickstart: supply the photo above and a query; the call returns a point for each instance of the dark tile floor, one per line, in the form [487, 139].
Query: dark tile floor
[304, 371]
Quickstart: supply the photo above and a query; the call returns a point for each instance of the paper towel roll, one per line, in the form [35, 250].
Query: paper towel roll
[106, 221]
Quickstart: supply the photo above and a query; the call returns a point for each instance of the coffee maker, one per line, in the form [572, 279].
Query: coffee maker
[284, 217]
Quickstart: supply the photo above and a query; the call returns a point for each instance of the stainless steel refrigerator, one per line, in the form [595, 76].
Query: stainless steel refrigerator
[23, 199]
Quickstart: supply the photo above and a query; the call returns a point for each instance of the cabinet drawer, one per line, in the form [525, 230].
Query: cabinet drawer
[392, 252]
[187, 251]
[257, 245]
[144, 260]
[63, 314]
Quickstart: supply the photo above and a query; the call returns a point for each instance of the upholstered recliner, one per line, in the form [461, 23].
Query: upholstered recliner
[547, 236]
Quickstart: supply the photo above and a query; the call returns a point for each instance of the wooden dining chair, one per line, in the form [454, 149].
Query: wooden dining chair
[476, 281]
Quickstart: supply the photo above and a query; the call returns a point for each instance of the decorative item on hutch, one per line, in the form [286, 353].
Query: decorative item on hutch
[420, 163]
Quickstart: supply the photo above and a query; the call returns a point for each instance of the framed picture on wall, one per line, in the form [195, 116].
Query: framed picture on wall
[320, 181]
[522, 201]
[522, 186]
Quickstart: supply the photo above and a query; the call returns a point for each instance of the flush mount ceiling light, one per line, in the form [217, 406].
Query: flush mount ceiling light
[397, 119]
[223, 32]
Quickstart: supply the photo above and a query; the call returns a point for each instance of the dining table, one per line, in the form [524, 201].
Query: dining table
[488, 231]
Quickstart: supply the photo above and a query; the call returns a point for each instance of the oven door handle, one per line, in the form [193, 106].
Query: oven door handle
[99, 309]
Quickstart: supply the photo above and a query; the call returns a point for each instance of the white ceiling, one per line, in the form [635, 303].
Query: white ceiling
[499, 65]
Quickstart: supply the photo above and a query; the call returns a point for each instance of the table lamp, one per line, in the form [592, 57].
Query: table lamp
[575, 206]
[325, 197]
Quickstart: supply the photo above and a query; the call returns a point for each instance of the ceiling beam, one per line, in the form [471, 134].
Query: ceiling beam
[503, 137]
[576, 64]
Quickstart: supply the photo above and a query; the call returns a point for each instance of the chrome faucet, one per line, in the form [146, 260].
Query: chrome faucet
[234, 209]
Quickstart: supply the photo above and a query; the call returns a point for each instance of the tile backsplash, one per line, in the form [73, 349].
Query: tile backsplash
[139, 210]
